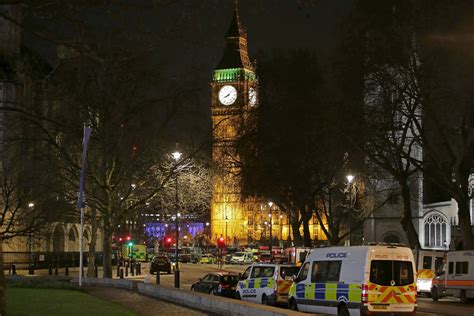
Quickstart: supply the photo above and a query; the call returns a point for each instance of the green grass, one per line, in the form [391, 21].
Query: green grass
[52, 302]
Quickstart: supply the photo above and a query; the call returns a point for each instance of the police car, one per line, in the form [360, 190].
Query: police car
[266, 283]
[357, 280]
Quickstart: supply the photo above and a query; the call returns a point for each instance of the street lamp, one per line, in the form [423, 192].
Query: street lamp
[281, 231]
[350, 179]
[270, 204]
[176, 157]
[30, 245]
[226, 221]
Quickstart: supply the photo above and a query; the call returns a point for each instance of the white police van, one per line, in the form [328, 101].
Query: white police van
[266, 283]
[457, 277]
[357, 280]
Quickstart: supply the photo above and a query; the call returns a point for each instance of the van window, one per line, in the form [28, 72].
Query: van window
[245, 275]
[287, 272]
[462, 267]
[391, 272]
[426, 262]
[438, 263]
[465, 267]
[262, 272]
[326, 271]
[451, 268]
[303, 272]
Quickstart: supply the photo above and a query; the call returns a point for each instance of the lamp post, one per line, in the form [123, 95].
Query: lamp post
[30, 245]
[226, 221]
[176, 157]
[281, 231]
[270, 204]
[350, 179]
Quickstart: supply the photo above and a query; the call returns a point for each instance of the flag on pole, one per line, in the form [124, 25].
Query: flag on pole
[81, 201]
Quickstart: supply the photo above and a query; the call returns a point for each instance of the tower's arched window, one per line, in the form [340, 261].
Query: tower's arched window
[437, 231]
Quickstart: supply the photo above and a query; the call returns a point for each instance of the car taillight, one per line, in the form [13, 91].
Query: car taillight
[222, 286]
[364, 293]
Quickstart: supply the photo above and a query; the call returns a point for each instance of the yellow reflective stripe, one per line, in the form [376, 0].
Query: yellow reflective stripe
[257, 283]
[331, 292]
[354, 293]
[309, 291]
[271, 282]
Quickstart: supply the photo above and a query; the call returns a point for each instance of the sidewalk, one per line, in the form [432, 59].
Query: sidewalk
[141, 304]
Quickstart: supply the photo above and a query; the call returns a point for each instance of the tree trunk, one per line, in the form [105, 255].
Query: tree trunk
[295, 228]
[91, 253]
[465, 223]
[306, 217]
[107, 245]
[406, 219]
[306, 233]
[2, 282]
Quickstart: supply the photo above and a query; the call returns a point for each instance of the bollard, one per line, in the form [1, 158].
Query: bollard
[157, 277]
[50, 270]
[31, 269]
[66, 272]
[132, 268]
[121, 273]
[137, 268]
[126, 270]
[56, 271]
[176, 279]
[96, 272]
[118, 270]
[13, 269]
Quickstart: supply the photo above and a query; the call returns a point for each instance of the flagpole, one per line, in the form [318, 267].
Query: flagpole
[81, 201]
[81, 253]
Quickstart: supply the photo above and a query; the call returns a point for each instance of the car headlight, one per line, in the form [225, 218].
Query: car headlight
[424, 285]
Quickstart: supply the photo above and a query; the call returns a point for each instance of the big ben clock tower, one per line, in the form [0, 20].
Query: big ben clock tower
[234, 95]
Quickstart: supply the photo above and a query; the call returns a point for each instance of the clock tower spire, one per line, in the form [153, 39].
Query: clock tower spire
[234, 96]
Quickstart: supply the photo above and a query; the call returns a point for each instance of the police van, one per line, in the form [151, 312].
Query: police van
[266, 283]
[458, 279]
[428, 262]
[356, 280]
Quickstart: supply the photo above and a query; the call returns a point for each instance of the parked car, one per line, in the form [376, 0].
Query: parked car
[242, 258]
[160, 263]
[264, 257]
[219, 283]
[184, 258]
[208, 258]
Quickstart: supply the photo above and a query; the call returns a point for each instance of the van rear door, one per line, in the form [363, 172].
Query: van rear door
[392, 281]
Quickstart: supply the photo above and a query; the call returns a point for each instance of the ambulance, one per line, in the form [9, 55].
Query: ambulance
[266, 283]
[358, 280]
[428, 262]
[458, 279]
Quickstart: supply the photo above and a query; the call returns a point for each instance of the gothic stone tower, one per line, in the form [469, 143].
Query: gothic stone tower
[234, 95]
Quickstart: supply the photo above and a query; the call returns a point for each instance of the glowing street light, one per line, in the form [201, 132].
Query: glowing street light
[176, 156]
[350, 178]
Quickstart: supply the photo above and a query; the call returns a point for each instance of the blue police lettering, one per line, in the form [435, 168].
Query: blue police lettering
[249, 291]
[334, 255]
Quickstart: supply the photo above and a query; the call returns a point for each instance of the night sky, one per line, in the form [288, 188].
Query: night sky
[190, 40]
[196, 46]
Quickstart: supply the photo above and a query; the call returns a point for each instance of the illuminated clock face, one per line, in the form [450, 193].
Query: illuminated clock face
[227, 95]
[252, 97]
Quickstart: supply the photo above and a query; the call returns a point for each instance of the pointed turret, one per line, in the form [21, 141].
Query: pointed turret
[235, 51]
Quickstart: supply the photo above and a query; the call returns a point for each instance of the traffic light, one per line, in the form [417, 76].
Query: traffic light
[221, 242]
[167, 242]
[128, 238]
